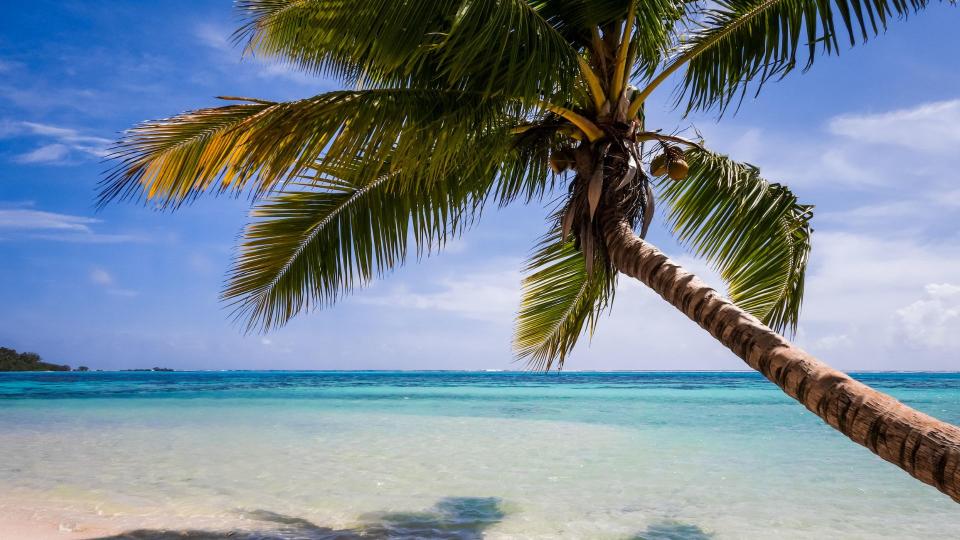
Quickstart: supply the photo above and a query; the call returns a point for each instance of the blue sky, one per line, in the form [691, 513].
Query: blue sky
[871, 138]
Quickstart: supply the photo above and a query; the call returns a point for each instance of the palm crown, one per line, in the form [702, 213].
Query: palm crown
[462, 104]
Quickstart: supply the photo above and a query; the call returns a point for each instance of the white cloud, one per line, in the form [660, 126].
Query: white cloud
[50, 131]
[935, 320]
[45, 154]
[643, 331]
[105, 280]
[488, 296]
[922, 208]
[93, 146]
[872, 213]
[862, 310]
[832, 342]
[67, 143]
[887, 221]
[215, 38]
[914, 148]
[24, 219]
[101, 277]
[25, 223]
[928, 128]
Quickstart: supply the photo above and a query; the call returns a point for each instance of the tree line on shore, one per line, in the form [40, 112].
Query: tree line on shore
[11, 360]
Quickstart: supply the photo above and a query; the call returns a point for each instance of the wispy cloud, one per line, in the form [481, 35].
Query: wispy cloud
[104, 279]
[216, 39]
[67, 143]
[61, 146]
[915, 146]
[928, 128]
[917, 209]
[33, 220]
[25, 223]
[49, 153]
[486, 296]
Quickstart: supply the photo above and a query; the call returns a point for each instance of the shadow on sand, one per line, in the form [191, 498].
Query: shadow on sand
[461, 518]
[672, 530]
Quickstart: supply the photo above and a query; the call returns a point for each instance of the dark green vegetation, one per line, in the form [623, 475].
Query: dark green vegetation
[11, 360]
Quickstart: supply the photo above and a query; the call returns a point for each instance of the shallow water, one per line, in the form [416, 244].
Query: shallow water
[453, 455]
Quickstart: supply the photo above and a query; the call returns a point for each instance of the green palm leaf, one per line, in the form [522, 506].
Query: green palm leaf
[559, 301]
[169, 159]
[653, 27]
[341, 229]
[504, 47]
[347, 223]
[740, 41]
[755, 232]
[380, 40]
[266, 144]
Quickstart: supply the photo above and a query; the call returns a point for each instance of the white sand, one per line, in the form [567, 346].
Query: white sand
[24, 526]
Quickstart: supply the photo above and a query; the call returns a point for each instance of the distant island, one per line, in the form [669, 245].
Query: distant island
[11, 360]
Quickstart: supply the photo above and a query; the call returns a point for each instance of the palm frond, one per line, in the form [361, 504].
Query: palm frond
[507, 47]
[342, 227]
[560, 300]
[525, 172]
[171, 159]
[656, 28]
[267, 144]
[755, 232]
[575, 19]
[742, 41]
[380, 40]
[502, 47]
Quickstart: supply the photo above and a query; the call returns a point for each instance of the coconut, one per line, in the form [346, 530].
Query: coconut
[658, 167]
[559, 161]
[678, 169]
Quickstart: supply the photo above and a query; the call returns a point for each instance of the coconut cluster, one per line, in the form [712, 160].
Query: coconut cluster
[671, 162]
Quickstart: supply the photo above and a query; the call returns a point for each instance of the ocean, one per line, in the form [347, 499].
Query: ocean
[311, 455]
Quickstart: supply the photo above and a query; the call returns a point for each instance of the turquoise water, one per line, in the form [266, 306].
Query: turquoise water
[451, 455]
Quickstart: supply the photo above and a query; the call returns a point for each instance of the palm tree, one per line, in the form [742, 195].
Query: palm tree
[465, 104]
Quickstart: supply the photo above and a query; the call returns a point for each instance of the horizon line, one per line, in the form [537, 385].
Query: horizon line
[491, 371]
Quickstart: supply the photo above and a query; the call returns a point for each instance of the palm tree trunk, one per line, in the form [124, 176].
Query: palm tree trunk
[921, 445]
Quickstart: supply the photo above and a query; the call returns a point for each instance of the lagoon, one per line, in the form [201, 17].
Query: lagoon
[657, 455]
